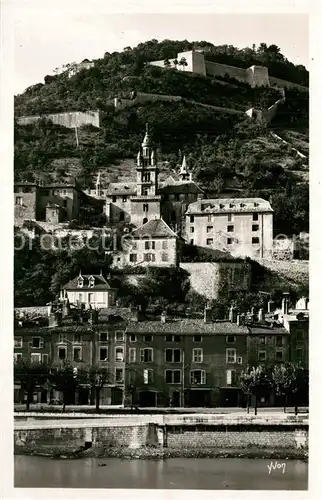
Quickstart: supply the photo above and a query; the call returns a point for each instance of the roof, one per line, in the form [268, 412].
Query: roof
[100, 283]
[156, 228]
[180, 187]
[186, 326]
[230, 205]
[121, 188]
[25, 183]
[265, 329]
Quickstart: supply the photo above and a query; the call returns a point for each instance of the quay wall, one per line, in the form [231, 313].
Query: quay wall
[176, 432]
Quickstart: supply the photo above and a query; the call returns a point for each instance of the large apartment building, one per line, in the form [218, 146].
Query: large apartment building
[240, 226]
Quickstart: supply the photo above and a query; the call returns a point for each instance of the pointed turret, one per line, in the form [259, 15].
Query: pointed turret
[183, 173]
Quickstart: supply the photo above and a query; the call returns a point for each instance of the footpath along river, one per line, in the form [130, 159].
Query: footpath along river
[176, 473]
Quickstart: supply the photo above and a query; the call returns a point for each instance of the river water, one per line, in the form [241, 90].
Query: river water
[177, 473]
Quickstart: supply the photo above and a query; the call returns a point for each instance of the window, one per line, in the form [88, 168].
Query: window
[133, 257]
[119, 375]
[77, 353]
[149, 257]
[80, 282]
[37, 343]
[262, 356]
[262, 340]
[91, 282]
[147, 338]
[191, 242]
[192, 230]
[132, 338]
[64, 203]
[209, 218]
[230, 377]
[230, 217]
[197, 377]
[119, 354]
[279, 341]
[255, 227]
[229, 241]
[134, 245]
[18, 342]
[17, 356]
[149, 245]
[114, 199]
[103, 337]
[119, 335]
[103, 353]
[230, 339]
[210, 241]
[145, 207]
[255, 216]
[255, 241]
[168, 338]
[230, 229]
[279, 355]
[230, 355]
[177, 338]
[164, 245]
[299, 354]
[62, 352]
[256, 204]
[146, 355]
[18, 200]
[62, 337]
[197, 355]
[64, 192]
[164, 257]
[45, 359]
[147, 376]
[144, 191]
[146, 177]
[192, 219]
[173, 355]
[177, 197]
[132, 355]
[153, 245]
[173, 376]
[124, 199]
[209, 228]
[197, 338]
[35, 357]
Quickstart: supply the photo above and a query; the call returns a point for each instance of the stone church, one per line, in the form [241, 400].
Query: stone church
[148, 199]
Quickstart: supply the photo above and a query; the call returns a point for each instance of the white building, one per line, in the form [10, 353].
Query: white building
[241, 226]
[91, 290]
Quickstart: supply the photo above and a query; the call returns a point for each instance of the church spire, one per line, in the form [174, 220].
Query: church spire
[183, 173]
[146, 141]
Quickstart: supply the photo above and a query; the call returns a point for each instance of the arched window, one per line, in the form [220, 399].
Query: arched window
[145, 220]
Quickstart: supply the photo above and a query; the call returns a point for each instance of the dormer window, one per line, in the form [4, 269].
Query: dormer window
[80, 282]
[91, 282]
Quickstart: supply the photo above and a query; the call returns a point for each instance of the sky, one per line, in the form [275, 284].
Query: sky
[46, 39]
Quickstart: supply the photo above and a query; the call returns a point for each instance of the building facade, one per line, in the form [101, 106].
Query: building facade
[90, 290]
[241, 226]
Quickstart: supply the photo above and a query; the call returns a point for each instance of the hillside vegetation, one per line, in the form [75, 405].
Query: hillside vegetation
[224, 151]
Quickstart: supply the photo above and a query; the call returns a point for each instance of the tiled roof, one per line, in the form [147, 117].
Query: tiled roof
[180, 187]
[121, 188]
[186, 326]
[100, 283]
[229, 205]
[156, 228]
[264, 329]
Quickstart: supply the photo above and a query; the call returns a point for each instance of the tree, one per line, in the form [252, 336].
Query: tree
[167, 63]
[64, 377]
[97, 377]
[254, 381]
[290, 379]
[30, 374]
[183, 62]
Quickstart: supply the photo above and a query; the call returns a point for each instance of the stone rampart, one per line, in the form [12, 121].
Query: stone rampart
[70, 119]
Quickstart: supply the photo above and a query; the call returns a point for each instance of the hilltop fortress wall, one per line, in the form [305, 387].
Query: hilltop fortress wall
[255, 76]
[69, 119]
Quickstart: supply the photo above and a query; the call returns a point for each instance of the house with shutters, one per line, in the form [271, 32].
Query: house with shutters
[152, 244]
[92, 290]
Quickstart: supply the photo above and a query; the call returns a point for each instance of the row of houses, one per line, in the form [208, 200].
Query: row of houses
[182, 361]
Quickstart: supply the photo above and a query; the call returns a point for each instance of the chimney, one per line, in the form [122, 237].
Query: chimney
[50, 308]
[134, 310]
[252, 311]
[163, 317]
[285, 303]
[238, 320]
[270, 304]
[66, 308]
[233, 314]
[55, 319]
[207, 314]
[261, 315]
